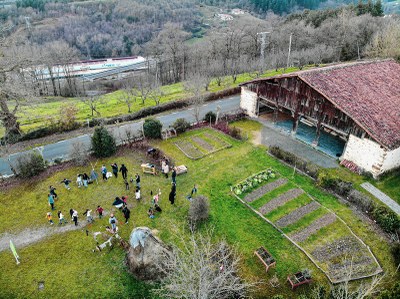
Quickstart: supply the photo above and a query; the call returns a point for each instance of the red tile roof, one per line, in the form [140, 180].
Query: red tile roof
[368, 92]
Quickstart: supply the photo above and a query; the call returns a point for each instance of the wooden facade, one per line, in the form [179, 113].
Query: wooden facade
[292, 95]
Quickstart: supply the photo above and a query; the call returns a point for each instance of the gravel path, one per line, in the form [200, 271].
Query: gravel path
[34, 235]
[280, 200]
[313, 227]
[297, 214]
[256, 194]
[382, 197]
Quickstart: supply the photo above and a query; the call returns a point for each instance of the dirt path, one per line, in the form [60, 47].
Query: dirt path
[30, 236]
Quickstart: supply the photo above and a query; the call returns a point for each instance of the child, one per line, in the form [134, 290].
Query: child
[49, 218]
[127, 214]
[137, 177]
[66, 183]
[79, 180]
[53, 192]
[61, 219]
[126, 184]
[150, 212]
[75, 217]
[89, 217]
[99, 211]
[157, 208]
[104, 172]
[137, 194]
[113, 221]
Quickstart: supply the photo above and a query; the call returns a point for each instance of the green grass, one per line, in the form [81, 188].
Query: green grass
[67, 265]
[288, 207]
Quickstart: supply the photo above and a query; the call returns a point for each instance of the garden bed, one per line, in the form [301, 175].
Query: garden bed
[302, 235]
[280, 200]
[201, 145]
[297, 214]
[259, 192]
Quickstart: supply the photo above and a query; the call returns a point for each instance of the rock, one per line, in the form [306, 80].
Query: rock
[147, 255]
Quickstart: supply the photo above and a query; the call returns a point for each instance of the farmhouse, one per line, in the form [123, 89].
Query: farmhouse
[358, 103]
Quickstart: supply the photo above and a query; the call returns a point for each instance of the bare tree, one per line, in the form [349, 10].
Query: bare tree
[386, 42]
[79, 153]
[127, 94]
[157, 94]
[143, 86]
[195, 87]
[203, 269]
[92, 102]
[14, 60]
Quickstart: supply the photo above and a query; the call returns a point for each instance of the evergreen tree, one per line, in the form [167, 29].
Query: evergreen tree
[103, 143]
[378, 9]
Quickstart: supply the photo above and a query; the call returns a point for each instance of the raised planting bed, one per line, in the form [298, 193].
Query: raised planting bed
[189, 150]
[297, 214]
[280, 200]
[201, 145]
[265, 257]
[253, 182]
[299, 278]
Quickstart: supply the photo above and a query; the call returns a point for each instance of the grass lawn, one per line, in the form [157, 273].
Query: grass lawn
[67, 265]
[37, 115]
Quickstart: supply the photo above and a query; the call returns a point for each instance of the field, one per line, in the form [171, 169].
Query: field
[40, 113]
[66, 264]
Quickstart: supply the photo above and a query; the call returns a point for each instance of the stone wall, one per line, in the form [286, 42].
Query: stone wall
[392, 160]
[248, 101]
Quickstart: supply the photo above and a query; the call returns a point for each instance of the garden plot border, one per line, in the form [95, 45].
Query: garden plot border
[189, 140]
[379, 268]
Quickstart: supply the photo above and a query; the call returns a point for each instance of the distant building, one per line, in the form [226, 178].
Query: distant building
[225, 17]
[358, 102]
[237, 11]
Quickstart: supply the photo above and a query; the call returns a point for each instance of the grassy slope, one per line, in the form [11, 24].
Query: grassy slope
[67, 265]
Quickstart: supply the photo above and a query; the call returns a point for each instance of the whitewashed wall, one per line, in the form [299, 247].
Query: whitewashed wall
[392, 160]
[248, 101]
[365, 153]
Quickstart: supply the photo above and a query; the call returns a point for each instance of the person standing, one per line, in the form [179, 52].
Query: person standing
[88, 214]
[61, 219]
[114, 167]
[124, 171]
[75, 217]
[126, 184]
[104, 172]
[166, 170]
[85, 180]
[127, 214]
[172, 194]
[137, 194]
[79, 180]
[137, 177]
[99, 211]
[173, 175]
[113, 221]
[50, 198]
[53, 192]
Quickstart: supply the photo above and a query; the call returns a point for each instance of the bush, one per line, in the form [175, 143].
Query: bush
[152, 128]
[235, 133]
[387, 219]
[362, 201]
[30, 165]
[199, 210]
[395, 250]
[67, 120]
[210, 117]
[181, 125]
[103, 143]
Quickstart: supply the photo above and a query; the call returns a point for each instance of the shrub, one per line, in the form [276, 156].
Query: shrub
[235, 133]
[152, 128]
[395, 250]
[103, 143]
[30, 165]
[79, 154]
[387, 219]
[67, 120]
[199, 210]
[362, 201]
[181, 125]
[210, 117]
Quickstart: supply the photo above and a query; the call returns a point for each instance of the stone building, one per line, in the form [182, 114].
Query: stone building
[358, 102]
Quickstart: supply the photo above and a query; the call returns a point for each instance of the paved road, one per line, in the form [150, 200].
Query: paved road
[62, 149]
[394, 206]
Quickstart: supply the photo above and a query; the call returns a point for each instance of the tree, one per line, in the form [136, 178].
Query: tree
[92, 102]
[377, 10]
[386, 42]
[103, 143]
[127, 94]
[143, 86]
[14, 58]
[195, 87]
[203, 269]
[152, 128]
[198, 211]
[30, 165]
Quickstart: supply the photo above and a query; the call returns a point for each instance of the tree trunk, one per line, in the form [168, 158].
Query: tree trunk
[8, 118]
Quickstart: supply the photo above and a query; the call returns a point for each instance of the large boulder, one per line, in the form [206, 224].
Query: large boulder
[147, 255]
